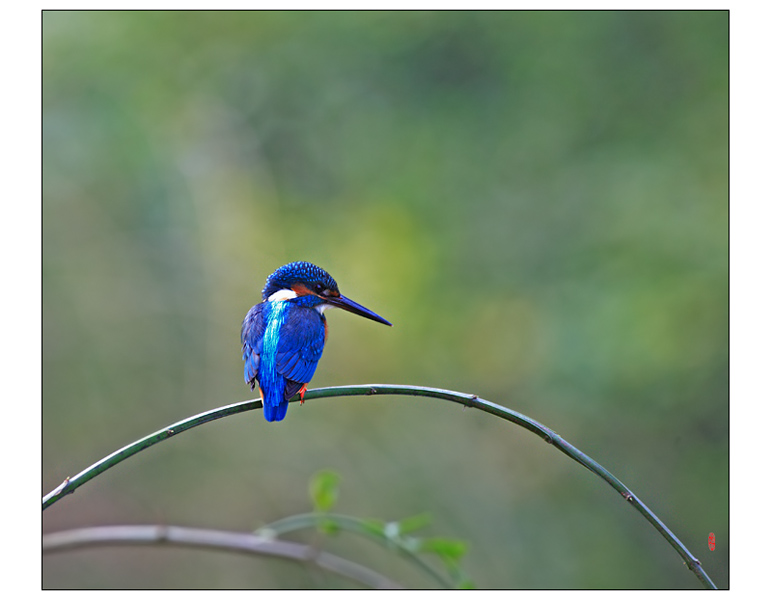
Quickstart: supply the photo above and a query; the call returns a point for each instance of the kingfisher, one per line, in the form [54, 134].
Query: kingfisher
[283, 337]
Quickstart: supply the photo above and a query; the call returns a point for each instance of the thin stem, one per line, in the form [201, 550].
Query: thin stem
[221, 540]
[71, 484]
[353, 525]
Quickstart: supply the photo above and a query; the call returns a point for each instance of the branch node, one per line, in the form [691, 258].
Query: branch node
[469, 400]
[162, 533]
[62, 487]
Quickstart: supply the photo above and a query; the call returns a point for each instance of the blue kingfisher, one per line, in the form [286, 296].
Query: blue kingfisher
[283, 336]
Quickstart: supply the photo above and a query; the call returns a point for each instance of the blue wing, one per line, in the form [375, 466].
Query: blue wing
[252, 343]
[300, 347]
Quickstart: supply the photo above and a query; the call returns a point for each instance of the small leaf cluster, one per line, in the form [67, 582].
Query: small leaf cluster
[397, 536]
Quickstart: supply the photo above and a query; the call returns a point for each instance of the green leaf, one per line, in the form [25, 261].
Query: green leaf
[447, 549]
[413, 523]
[466, 584]
[374, 526]
[323, 489]
[327, 526]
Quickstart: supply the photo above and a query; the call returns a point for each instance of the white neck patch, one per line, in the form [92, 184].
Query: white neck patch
[282, 295]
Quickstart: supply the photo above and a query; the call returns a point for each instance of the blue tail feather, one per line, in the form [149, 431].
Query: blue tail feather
[275, 413]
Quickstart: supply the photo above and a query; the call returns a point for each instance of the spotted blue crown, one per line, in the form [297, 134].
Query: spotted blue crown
[298, 272]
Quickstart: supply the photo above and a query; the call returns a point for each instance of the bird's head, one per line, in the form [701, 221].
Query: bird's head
[314, 287]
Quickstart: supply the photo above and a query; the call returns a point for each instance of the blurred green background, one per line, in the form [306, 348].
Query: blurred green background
[536, 200]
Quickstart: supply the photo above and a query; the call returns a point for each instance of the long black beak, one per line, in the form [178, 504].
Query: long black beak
[357, 309]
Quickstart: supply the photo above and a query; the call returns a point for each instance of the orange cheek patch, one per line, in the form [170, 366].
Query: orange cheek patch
[300, 289]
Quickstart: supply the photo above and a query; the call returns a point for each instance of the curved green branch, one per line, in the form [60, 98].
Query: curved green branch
[71, 484]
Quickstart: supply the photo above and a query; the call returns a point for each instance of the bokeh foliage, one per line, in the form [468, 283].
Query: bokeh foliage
[536, 200]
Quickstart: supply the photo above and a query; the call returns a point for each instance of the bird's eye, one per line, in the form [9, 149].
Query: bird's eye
[319, 288]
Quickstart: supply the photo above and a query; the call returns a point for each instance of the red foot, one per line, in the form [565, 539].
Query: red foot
[302, 393]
